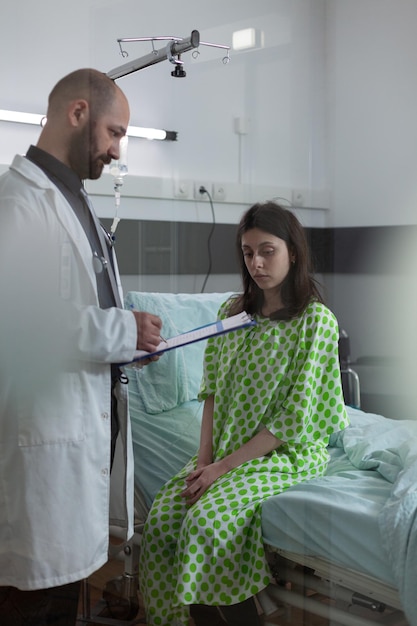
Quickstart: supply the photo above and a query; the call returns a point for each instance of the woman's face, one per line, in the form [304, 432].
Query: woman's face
[267, 258]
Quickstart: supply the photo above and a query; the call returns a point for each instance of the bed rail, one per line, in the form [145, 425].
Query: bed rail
[350, 379]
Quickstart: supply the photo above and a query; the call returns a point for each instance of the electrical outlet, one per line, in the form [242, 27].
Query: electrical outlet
[198, 185]
[218, 192]
[181, 188]
[298, 197]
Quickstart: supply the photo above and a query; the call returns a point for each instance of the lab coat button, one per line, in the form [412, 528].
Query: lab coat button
[105, 416]
[104, 471]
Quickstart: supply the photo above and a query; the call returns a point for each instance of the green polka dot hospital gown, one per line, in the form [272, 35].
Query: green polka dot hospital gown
[282, 375]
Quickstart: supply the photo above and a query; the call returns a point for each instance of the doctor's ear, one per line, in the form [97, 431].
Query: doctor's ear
[78, 112]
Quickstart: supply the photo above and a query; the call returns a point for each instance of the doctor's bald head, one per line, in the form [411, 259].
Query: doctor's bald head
[87, 116]
[88, 84]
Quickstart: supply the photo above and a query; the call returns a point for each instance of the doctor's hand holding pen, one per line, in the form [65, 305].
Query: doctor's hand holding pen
[148, 331]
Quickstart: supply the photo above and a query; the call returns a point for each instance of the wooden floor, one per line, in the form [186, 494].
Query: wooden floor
[107, 612]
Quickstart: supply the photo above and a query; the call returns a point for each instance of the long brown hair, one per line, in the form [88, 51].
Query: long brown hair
[299, 287]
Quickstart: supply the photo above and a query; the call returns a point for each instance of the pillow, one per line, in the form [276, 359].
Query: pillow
[175, 378]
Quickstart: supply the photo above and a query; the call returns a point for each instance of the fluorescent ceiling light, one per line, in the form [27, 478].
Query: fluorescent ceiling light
[151, 133]
[132, 131]
[24, 118]
[246, 39]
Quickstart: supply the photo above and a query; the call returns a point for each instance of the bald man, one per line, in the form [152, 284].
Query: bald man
[63, 402]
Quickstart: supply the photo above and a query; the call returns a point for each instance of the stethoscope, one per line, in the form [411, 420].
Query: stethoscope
[99, 263]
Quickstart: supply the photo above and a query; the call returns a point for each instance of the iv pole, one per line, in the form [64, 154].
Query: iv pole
[172, 52]
[173, 48]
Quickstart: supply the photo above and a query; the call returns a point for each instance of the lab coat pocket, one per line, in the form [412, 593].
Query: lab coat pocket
[53, 415]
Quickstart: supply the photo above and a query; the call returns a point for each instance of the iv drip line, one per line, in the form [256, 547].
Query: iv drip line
[118, 169]
[116, 218]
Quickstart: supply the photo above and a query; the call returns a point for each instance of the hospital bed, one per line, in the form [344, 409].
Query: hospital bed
[343, 546]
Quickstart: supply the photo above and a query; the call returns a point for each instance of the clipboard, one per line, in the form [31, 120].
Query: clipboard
[226, 325]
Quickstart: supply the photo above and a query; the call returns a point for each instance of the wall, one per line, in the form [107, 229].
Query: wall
[276, 89]
[371, 111]
[372, 131]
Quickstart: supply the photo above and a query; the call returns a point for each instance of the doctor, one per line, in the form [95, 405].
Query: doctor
[63, 404]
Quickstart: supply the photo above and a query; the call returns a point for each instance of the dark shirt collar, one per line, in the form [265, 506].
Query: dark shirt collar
[54, 168]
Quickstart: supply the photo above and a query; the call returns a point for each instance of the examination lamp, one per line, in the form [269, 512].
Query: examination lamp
[132, 131]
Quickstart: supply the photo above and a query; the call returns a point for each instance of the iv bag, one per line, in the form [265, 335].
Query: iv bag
[119, 168]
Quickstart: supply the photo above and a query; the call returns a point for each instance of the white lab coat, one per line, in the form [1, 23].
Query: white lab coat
[55, 348]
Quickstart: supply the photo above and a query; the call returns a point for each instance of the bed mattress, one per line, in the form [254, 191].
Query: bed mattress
[334, 517]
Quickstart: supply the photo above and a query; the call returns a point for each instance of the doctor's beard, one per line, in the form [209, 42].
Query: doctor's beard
[85, 157]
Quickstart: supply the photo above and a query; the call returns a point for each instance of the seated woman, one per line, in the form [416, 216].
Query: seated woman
[273, 396]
